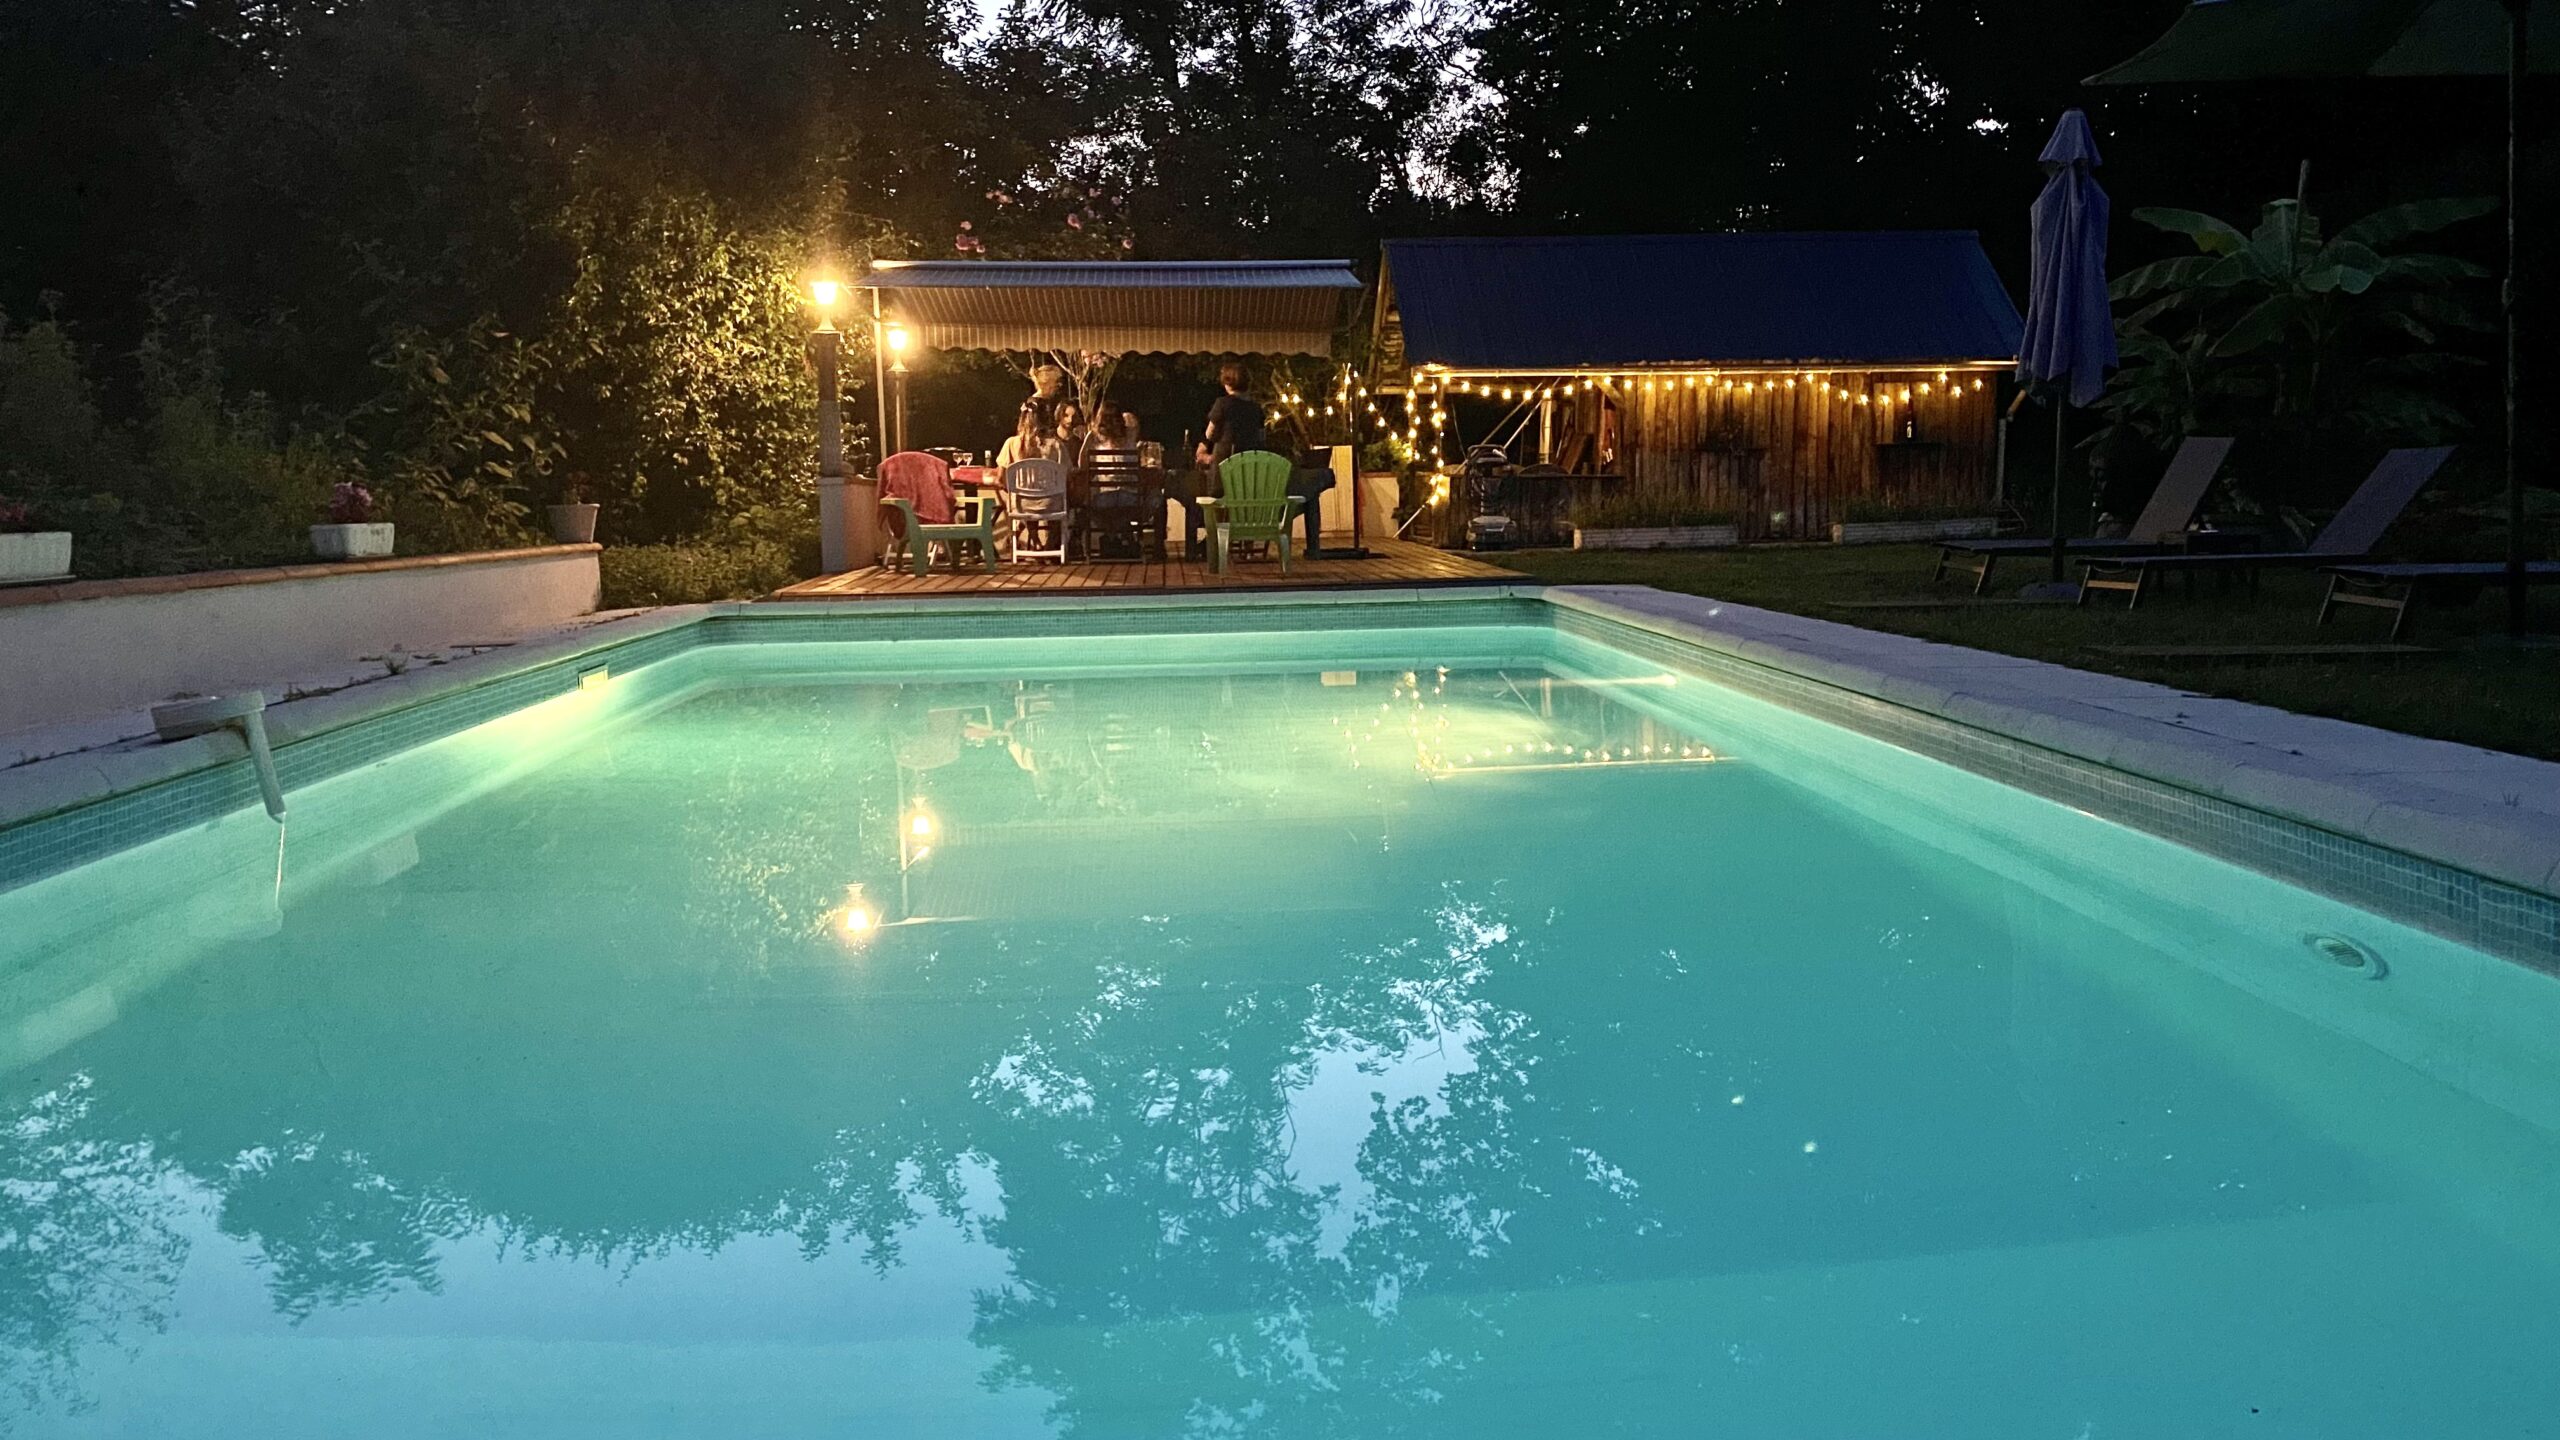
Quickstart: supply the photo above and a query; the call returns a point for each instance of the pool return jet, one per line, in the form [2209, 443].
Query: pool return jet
[245, 712]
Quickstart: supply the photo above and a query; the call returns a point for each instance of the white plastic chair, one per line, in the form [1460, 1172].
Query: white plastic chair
[1036, 501]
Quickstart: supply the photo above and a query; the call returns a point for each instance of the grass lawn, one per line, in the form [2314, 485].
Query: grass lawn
[2479, 691]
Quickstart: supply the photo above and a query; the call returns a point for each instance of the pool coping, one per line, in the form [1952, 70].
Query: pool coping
[2484, 811]
[2460, 841]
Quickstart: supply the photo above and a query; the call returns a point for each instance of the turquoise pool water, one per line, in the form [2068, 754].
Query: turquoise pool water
[1412, 1033]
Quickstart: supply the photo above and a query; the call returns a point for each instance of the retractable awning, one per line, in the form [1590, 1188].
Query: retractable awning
[1164, 307]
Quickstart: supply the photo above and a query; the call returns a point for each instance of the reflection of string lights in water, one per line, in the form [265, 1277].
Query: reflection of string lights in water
[1480, 745]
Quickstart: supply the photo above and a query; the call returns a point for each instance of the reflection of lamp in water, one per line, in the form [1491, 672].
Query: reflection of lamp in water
[856, 920]
[915, 839]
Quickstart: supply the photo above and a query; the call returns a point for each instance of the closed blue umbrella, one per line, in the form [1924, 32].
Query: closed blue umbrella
[2070, 340]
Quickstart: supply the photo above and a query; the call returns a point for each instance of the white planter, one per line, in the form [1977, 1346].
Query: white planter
[42, 555]
[1658, 537]
[574, 524]
[1903, 532]
[351, 542]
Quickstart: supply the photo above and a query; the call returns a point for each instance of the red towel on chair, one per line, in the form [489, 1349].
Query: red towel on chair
[922, 481]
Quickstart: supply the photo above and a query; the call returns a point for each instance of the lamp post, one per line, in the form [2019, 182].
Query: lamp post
[896, 337]
[826, 344]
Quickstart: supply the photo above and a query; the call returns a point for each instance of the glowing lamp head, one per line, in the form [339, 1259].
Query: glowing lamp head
[859, 921]
[822, 293]
[897, 337]
[920, 825]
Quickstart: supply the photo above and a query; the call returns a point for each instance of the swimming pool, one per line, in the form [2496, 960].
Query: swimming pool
[1466, 1030]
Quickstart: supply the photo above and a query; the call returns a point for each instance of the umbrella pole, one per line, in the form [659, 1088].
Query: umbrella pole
[2518, 52]
[2061, 410]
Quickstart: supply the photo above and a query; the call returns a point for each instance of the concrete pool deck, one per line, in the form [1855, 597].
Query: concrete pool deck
[2455, 839]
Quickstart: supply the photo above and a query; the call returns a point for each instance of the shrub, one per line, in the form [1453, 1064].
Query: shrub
[692, 573]
[195, 480]
[1647, 508]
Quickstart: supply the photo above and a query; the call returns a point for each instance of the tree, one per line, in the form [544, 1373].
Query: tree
[2331, 343]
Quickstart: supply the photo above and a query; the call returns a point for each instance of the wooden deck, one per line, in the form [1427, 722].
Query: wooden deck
[1392, 564]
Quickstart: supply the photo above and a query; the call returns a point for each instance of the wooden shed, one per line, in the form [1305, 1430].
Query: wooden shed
[1789, 379]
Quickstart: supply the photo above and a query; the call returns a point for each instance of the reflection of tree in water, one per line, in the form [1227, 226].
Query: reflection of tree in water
[88, 1250]
[1127, 1131]
[768, 857]
[334, 1231]
[1174, 1276]
[1173, 1266]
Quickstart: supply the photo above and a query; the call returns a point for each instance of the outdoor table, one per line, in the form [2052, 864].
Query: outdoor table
[1141, 492]
[1190, 487]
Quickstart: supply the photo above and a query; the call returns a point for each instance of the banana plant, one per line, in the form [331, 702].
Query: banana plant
[2285, 330]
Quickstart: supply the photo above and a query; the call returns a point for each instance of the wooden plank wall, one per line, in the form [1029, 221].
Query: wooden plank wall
[1786, 458]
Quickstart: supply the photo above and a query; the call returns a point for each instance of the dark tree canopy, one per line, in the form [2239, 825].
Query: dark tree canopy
[470, 249]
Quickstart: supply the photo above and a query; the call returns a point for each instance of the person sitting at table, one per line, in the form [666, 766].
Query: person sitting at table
[1235, 419]
[1069, 434]
[1031, 440]
[1048, 391]
[1112, 444]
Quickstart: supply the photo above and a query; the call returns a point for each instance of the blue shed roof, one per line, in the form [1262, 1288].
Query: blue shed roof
[1785, 298]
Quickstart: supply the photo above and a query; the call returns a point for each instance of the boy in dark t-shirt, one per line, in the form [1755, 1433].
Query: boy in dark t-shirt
[1235, 419]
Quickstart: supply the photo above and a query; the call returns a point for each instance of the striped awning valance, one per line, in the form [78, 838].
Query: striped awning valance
[1210, 307]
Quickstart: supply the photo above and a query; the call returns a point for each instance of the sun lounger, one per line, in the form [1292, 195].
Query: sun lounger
[2350, 535]
[2170, 510]
[2397, 587]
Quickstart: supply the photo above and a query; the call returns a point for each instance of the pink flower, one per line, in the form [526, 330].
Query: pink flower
[1128, 244]
[965, 225]
[1075, 222]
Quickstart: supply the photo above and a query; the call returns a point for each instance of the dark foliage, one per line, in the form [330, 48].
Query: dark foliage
[465, 249]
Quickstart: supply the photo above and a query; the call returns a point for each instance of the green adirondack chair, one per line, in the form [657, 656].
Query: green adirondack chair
[1255, 506]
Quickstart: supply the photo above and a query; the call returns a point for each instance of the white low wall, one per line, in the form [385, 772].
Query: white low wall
[69, 652]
